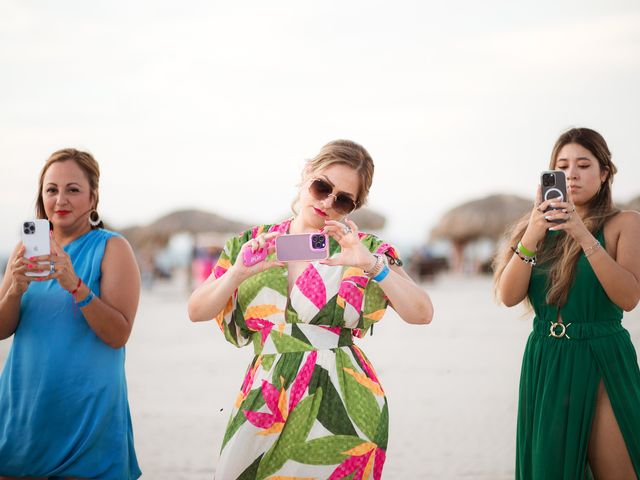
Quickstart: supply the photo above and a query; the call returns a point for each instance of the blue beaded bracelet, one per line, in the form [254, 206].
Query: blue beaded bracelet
[382, 275]
[86, 300]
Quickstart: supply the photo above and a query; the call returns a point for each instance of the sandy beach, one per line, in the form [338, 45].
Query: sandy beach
[452, 385]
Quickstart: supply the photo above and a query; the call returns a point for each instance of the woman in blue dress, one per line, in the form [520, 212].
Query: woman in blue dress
[64, 412]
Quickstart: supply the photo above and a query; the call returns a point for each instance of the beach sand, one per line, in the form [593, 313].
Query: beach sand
[452, 385]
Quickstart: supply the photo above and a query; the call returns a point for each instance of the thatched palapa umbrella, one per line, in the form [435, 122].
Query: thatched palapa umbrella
[157, 234]
[486, 217]
[367, 219]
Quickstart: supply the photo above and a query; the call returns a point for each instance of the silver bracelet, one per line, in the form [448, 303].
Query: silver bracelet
[593, 248]
[377, 267]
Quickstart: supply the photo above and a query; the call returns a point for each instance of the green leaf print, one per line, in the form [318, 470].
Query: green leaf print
[325, 450]
[332, 414]
[374, 298]
[327, 314]
[251, 471]
[297, 333]
[382, 435]
[360, 402]
[294, 433]
[253, 402]
[249, 289]
[267, 361]
[286, 343]
[286, 367]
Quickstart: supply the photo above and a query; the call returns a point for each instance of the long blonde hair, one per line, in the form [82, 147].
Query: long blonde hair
[344, 152]
[563, 255]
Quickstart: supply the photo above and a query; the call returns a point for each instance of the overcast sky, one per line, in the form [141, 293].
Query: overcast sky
[216, 105]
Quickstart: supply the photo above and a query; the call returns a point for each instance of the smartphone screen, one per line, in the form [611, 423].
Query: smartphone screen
[35, 237]
[302, 247]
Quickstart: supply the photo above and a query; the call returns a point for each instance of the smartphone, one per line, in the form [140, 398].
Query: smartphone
[35, 237]
[304, 247]
[251, 258]
[554, 186]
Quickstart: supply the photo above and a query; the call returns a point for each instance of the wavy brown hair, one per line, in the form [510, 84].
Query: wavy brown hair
[87, 164]
[563, 255]
[343, 152]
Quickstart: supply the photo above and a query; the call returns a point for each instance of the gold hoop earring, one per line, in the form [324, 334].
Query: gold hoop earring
[94, 218]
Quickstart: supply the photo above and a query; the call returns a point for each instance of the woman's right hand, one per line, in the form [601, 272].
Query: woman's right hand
[538, 224]
[18, 267]
[264, 240]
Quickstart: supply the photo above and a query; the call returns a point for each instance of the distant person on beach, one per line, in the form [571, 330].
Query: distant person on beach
[311, 404]
[579, 408]
[64, 411]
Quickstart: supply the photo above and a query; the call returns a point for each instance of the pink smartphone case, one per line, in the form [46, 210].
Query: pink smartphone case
[251, 258]
[297, 248]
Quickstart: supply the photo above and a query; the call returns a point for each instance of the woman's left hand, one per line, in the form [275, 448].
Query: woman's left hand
[61, 267]
[352, 252]
[572, 224]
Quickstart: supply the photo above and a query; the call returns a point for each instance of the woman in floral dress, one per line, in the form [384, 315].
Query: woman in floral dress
[311, 405]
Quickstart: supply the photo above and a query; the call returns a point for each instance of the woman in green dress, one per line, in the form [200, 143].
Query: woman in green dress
[311, 405]
[579, 406]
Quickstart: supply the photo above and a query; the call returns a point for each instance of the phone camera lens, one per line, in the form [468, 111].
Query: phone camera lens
[318, 241]
[26, 230]
[548, 180]
[29, 227]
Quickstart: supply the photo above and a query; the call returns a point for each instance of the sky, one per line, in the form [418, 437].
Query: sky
[216, 105]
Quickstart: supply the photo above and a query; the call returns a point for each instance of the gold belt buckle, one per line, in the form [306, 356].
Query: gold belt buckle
[563, 331]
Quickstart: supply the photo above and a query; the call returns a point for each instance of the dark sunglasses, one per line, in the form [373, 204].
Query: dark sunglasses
[342, 203]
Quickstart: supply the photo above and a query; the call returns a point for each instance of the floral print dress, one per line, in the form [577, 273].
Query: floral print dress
[311, 405]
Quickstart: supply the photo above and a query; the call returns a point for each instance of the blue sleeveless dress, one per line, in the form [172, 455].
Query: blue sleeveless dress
[63, 394]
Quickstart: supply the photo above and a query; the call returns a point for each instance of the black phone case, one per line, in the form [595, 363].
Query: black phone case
[557, 191]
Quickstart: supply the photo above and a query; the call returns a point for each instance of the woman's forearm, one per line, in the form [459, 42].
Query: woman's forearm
[410, 301]
[108, 323]
[620, 285]
[210, 298]
[514, 282]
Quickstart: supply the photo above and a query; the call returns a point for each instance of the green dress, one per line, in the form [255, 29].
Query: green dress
[560, 377]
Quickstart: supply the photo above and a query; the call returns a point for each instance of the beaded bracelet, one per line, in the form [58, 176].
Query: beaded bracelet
[86, 300]
[593, 248]
[528, 260]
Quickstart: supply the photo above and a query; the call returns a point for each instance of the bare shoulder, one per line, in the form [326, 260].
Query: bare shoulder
[118, 251]
[624, 221]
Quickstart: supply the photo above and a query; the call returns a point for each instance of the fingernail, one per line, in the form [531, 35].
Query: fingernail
[547, 217]
[32, 258]
[553, 204]
[29, 266]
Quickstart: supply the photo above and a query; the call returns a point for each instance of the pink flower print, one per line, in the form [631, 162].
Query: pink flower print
[282, 227]
[311, 285]
[366, 366]
[301, 382]
[336, 330]
[255, 231]
[387, 249]
[277, 402]
[260, 325]
[363, 461]
[352, 290]
[248, 382]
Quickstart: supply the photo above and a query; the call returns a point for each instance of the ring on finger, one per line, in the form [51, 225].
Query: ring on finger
[346, 230]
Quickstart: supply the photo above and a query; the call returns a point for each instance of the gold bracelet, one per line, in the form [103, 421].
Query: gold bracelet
[592, 249]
